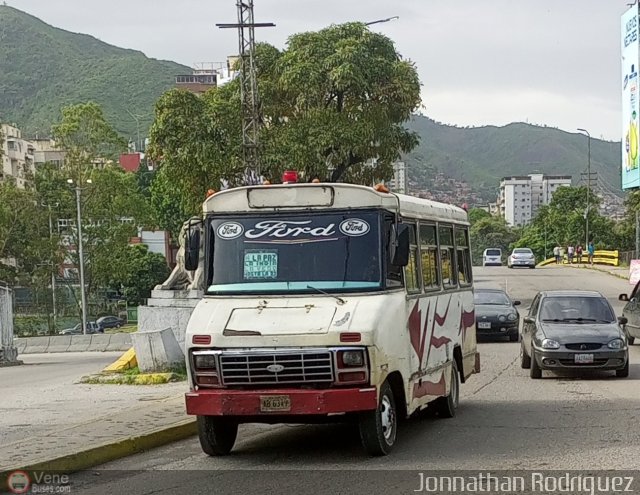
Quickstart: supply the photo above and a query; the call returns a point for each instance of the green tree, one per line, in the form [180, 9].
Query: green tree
[331, 101]
[140, 270]
[87, 139]
[562, 222]
[489, 231]
[27, 253]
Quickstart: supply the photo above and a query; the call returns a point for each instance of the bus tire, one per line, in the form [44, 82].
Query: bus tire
[379, 428]
[446, 406]
[217, 435]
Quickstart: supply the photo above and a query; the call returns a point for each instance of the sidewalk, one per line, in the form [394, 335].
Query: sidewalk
[617, 271]
[51, 422]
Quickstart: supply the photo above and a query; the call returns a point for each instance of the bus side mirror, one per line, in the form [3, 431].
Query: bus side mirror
[192, 248]
[399, 245]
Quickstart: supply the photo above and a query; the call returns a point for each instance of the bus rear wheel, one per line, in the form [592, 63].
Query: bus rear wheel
[379, 428]
[446, 406]
[217, 435]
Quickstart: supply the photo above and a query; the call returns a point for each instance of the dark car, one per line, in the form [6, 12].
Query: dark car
[109, 322]
[496, 313]
[92, 327]
[631, 312]
[573, 330]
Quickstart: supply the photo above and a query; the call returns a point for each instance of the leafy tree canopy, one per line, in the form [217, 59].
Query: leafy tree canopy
[331, 101]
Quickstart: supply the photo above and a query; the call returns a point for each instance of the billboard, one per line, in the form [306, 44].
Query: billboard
[630, 59]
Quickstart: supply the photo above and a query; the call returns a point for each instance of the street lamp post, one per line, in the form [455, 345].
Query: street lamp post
[83, 296]
[381, 20]
[586, 213]
[53, 272]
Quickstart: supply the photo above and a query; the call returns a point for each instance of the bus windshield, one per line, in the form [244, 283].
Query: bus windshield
[337, 251]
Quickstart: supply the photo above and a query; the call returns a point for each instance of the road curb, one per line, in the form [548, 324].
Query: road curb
[111, 451]
[623, 277]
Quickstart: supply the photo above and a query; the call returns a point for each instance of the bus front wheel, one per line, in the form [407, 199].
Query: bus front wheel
[446, 406]
[217, 435]
[379, 428]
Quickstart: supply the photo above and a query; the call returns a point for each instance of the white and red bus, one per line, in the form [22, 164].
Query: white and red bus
[329, 302]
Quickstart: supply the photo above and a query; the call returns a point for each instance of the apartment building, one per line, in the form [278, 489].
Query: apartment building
[400, 181]
[521, 196]
[18, 156]
[46, 151]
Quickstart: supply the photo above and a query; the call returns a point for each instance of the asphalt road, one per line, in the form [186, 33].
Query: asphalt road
[506, 420]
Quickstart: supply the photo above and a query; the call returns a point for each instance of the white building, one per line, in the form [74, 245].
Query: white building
[400, 183]
[521, 196]
[17, 156]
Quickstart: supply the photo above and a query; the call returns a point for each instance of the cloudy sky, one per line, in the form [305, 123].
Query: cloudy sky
[551, 62]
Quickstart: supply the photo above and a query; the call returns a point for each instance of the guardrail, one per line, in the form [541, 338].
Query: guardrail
[601, 257]
[74, 343]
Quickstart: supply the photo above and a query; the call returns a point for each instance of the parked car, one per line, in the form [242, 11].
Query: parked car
[573, 330]
[631, 312]
[92, 327]
[492, 257]
[109, 322]
[521, 257]
[496, 313]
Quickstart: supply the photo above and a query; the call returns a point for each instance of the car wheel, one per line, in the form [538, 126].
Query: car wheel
[535, 371]
[623, 372]
[217, 435]
[525, 360]
[631, 340]
[532, 267]
[379, 428]
[513, 337]
[446, 406]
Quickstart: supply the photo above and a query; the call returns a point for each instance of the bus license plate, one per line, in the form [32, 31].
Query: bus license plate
[584, 358]
[275, 403]
[484, 324]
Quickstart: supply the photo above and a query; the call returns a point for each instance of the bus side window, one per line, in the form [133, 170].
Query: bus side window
[463, 256]
[447, 257]
[411, 271]
[429, 257]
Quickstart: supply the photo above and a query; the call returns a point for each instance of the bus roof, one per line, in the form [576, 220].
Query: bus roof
[299, 197]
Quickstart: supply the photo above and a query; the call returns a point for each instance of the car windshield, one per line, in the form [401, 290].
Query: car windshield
[296, 253]
[579, 309]
[493, 252]
[491, 298]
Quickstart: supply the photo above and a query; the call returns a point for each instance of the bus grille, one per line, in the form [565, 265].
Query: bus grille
[269, 368]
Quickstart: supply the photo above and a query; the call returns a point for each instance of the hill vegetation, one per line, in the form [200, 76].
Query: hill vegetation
[43, 69]
[482, 155]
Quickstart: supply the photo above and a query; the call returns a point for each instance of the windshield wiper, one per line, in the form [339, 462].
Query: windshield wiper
[339, 299]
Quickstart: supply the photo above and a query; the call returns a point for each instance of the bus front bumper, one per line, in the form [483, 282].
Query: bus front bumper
[294, 402]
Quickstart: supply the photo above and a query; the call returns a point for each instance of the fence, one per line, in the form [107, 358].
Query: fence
[8, 351]
[601, 257]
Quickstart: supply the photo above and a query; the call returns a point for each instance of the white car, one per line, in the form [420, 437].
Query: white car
[521, 257]
[492, 256]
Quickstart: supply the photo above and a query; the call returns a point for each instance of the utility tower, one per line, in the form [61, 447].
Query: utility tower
[251, 118]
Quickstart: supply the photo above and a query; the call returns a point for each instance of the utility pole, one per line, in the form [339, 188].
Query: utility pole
[251, 118]
[83, 296]
[586, 213]
[637, 234]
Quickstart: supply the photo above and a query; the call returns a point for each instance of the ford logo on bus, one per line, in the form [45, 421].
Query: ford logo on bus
[354, 227]
[275, 368]
[230, 230]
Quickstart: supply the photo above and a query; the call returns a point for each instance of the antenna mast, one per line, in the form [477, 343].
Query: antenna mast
[251, 119]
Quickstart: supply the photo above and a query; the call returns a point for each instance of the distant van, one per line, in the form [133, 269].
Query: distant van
[492, 257]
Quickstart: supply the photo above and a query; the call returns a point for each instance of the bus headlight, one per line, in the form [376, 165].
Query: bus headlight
[353, 358]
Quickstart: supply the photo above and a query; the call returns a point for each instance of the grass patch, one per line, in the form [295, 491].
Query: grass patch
[134, 376]
[125, 329]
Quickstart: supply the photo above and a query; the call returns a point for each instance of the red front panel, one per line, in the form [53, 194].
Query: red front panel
[303, 402]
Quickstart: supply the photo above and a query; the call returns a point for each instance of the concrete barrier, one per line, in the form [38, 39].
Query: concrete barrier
[79, 343]
[21, 344]
[99, 342]
[119, 342]
[74, 343]
[36, 345]
[60, 343]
